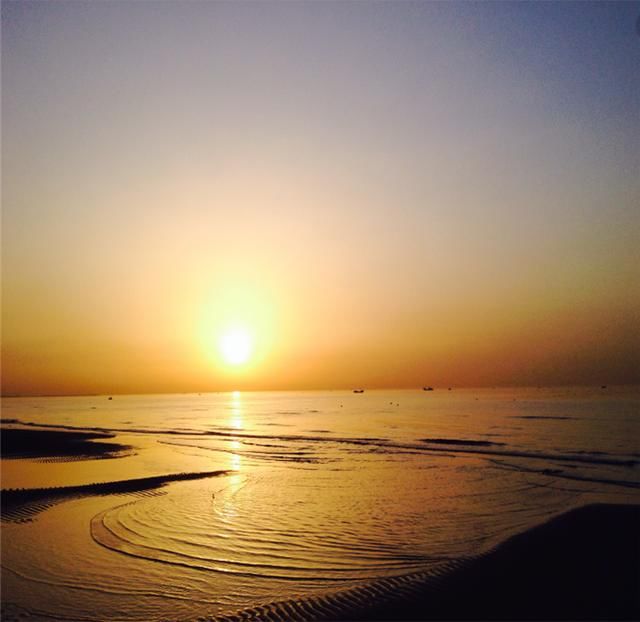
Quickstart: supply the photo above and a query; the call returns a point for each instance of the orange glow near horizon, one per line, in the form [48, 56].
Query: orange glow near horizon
[417, 209]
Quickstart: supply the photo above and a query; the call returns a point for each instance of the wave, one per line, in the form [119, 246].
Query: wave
[564, 475]
[459, 441]
[452, 446]
[479, 448]
[556, 417]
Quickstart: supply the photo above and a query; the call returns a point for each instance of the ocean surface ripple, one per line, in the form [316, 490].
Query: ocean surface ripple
[230, 501]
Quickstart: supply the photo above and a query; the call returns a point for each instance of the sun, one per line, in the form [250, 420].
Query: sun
[236, 346]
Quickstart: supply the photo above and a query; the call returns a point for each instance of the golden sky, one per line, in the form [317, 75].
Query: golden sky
[370, 194]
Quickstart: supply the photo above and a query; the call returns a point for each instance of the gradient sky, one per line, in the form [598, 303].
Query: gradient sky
[388, 194]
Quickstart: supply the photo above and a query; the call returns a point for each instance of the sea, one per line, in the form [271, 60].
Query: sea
[320, 491]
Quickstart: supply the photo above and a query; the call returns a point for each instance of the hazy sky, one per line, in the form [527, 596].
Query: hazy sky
[380, 193]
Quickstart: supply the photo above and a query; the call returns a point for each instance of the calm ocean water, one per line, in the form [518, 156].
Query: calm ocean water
[324, 490]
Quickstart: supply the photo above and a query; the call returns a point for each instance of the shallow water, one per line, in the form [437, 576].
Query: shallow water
[325, 490]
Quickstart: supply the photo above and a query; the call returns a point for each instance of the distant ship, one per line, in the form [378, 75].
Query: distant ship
[358, 390]
[427, 388]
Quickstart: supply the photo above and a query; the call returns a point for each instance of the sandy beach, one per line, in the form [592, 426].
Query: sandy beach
[65, 444]
[582, 565]
[182, 519]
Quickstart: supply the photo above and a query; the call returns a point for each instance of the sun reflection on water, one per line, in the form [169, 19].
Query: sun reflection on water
[236, 421]
[236, 458]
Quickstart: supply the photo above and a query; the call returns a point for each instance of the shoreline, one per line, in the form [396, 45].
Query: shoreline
[19, 504]
[25, 443]
[581, 565]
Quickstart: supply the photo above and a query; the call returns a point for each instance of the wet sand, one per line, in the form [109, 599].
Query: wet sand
[73, 445]
[24, 503]
[583, 565]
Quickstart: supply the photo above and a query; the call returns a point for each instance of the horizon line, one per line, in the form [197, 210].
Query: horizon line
[444, 388]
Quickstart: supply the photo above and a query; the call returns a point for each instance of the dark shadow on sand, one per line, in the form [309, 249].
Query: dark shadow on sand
[74, 445]
[583, 565]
